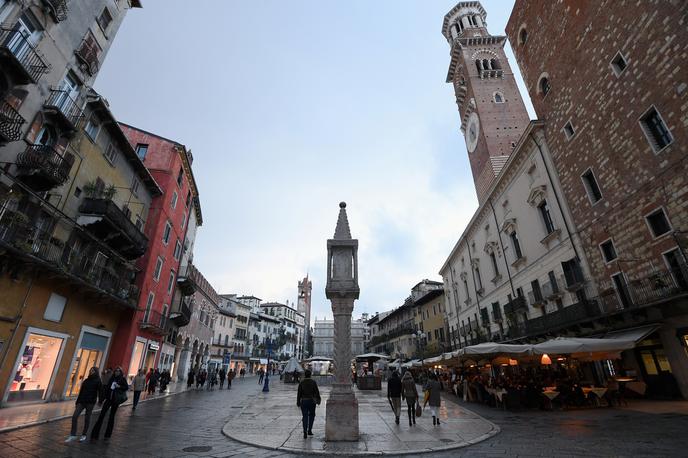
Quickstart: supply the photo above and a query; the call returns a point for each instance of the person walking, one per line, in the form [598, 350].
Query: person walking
[433, 388]
[222, 374]
[153, 382]
[410, 393]
[307, 397]
[230, 377]
[261, 375]
[164, 380]
[190, 377]
[89, 393]
[116, 395]
[394, 394]
[212, 380]
[139, 384]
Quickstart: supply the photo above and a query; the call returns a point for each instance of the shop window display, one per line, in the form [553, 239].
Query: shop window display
[35, 368]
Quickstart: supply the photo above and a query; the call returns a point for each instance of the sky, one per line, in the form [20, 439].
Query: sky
[291, 107]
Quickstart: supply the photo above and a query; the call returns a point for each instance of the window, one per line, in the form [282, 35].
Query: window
[183, 220]
[149, 305]
[544, 86]
[170, 283]
[572, 272]
[177, 250]
[516, 244]
[92, 128]
[522, 36]
[546, 216]
[180, 175]
[655, 130]
[139, 223]
[591, 186]
[498, 97]
[569, 131]
[111, 153]
[175, 197]
[478, 279]
[608, 251]
[537, 292]
[493, 258]
[135, 186]
[166, 233]
[658, 222]
[188, 199]
[158, 269]
[619, 64]
[55, 308]
[104, 19]
[141, 150]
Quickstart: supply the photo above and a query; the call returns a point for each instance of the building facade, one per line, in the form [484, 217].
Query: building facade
[139, 340]
[323, 336]
[67, 271]
[430, 317]
[614, 98]
[288, 335]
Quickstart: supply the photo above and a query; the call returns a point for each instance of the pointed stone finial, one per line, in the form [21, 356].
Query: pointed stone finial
[342, 232]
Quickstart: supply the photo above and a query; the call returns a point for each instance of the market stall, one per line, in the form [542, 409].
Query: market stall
[368, 376]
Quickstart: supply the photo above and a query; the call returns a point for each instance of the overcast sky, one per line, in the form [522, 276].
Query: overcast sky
[289, 108]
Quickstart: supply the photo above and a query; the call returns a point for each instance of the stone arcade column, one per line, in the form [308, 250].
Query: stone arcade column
[341, 421]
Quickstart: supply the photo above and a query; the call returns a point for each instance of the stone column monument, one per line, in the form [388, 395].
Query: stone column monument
[341, 421]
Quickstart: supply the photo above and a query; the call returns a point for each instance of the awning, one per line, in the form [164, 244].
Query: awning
[370, 357]
[633, 334]
[494, 348]
[564, 346]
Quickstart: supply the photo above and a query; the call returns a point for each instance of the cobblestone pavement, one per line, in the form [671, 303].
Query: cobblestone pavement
[190, 424]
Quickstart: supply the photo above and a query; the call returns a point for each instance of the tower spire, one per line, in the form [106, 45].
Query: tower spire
[342, 231]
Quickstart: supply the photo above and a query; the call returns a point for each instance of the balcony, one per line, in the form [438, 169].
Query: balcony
[154, 322]
[64, 110]
[42, 168]
[58, 9]
[187, 280]
[516, 305]
[104, 219]
[30, 245]
[652, 289]
[88, 54]
[19, 56]
[497, 316]
[10, 123]
[551, 290]
[183, 316]
[535, 299]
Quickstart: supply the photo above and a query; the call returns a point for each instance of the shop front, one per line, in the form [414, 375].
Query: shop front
[167, 357]
[36, 366]
[91, 352]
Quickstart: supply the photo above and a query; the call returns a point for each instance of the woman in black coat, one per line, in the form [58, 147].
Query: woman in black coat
[89, 393]
[116, 395]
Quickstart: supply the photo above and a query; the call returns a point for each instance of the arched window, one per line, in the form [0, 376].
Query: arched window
[522, 36]
[543, 86]
[486, 64]
[476, 21]
[498, 97]
[479, 65]
[494, 64]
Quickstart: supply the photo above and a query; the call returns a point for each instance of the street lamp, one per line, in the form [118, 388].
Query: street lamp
[266, 384]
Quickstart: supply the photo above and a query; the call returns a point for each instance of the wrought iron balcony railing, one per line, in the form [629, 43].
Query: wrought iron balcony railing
[154, 321]
[89, 54]
[187, 280]
[42, 168]
[66, 110]
[113, 226]
[81, 262]
[58, 9]
[10, 123]
[19, 56]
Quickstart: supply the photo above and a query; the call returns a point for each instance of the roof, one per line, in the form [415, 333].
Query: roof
[103, 109]
[457, 7]
[430, 295]
[249, 297]
[186, 164]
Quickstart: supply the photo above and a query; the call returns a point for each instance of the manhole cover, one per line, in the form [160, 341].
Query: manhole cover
[198, 448]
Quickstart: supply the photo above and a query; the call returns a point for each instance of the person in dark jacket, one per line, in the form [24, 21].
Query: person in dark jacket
[190, 379]
[222, 375]
[410, 393]
[307, 397]
[394, 394]
[116, 395]
[153, 382]
[433, 387]
[89, 393]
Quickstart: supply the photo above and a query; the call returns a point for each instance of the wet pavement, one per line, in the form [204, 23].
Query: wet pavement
[277, 413]
[190, 425]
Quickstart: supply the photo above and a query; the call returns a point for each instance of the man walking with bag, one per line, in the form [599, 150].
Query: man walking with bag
[394, 394]
[307, 397]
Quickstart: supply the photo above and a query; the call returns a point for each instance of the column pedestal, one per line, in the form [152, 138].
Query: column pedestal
[341, 420]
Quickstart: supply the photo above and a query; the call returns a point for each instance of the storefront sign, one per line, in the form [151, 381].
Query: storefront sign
[153, 345]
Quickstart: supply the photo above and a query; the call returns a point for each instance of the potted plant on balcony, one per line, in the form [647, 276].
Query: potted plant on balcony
[109, 192]
[92, 190]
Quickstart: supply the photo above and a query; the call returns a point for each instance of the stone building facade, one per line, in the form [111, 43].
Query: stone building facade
[67, 271]
[608, 78]
[323, 337]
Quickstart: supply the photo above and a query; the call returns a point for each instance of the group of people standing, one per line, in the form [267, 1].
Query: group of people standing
[201, 377]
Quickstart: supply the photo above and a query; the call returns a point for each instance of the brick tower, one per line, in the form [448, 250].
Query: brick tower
[493, 115]
[304, 306]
